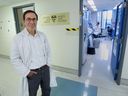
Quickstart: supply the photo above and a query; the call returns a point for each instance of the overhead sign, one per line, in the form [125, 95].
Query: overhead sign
[56, 19]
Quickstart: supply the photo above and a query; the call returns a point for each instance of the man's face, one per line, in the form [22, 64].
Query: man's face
[30, 21]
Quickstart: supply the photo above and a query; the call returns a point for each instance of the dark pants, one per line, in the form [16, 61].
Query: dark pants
[42, 78]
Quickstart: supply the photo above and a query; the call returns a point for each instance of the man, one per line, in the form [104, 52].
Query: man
[97, 29]
[30, 56]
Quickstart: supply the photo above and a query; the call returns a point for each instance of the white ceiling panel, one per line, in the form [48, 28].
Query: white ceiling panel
[104, 4]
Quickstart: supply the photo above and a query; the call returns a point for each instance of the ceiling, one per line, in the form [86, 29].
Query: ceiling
[104, 4]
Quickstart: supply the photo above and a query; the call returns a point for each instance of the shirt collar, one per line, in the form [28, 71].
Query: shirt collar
[28, 34]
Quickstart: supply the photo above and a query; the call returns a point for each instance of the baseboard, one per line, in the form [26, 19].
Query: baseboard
[58, 68]
[64, 69]
[124, 81]
[4, 56]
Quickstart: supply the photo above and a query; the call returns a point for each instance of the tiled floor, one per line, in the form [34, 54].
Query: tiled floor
[97, 72]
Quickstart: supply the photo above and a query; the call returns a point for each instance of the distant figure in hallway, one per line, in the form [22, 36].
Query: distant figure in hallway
[30, 55]
[110, 31]
[97, 29]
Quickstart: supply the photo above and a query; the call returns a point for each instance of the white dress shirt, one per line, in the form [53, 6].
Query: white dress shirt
[38, 48]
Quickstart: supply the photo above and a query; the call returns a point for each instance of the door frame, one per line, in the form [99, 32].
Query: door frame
[123, 40]
[15, 12]
[80, 39]
[121, 43]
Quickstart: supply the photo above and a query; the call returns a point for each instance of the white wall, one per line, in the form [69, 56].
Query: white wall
[64, 44]
[124, 74]
[125, 64]
[7, 30]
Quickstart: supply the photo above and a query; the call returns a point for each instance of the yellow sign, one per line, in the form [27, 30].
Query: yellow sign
[56, 19]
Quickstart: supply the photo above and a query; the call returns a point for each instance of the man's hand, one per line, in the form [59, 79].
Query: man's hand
[31, 73]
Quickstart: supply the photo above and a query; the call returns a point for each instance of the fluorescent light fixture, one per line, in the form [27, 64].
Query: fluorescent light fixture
[115, 7]
[121, 6]
[91, 3]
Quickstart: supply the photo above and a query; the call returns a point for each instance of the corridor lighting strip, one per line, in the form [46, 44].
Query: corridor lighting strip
[91, 3]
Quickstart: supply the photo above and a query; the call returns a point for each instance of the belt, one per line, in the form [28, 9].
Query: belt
[42, 67]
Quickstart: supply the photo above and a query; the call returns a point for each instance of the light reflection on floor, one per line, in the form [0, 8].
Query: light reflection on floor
[104, 52]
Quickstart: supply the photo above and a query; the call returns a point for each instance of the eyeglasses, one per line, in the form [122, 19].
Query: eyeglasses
[31, 19]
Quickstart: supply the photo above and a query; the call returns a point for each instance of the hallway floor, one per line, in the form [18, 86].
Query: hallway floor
[97, 72]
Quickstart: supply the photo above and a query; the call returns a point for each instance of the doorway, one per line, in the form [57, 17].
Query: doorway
[18, 13]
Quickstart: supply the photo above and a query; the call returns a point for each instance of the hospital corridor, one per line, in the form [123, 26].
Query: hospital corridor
[84, 47]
